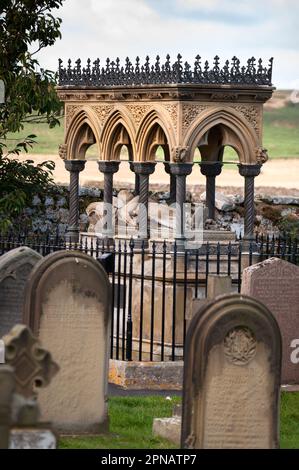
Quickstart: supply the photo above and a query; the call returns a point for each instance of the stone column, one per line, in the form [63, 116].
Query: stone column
[143, 170]
[108, 168]
[172, 189]
[249, 172]
[210, 171]
[180, 171]
[137, 180]
[74, 167]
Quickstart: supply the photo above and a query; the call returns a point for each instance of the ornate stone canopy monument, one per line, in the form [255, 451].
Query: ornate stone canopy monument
[169, 104]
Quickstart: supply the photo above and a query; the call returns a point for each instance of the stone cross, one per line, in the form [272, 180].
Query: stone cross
[33, 366]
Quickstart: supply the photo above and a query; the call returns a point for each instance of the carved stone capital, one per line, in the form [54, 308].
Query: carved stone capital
[180, 169]
[261, 155]
[62, 151]
[249, 170]
[180, 154]
[144, 168]
[74, 165]
[106, 166]
[211, 169]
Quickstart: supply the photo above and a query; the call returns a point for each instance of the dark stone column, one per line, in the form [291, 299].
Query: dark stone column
[249, 172]
[108, 168]
[143, 170]
[172, 189]
[74, 167]
[137, 180]
[210, 171]
[180, 171]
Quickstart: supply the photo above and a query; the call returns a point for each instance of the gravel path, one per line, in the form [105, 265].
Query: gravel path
[278, 177]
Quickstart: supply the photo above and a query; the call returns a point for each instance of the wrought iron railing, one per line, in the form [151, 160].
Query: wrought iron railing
[152, 289]
[113, 73]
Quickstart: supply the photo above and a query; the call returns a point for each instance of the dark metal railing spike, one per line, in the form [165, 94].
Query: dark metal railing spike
[253, 73]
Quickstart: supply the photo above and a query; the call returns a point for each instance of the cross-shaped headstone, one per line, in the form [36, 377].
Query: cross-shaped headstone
[33, 365]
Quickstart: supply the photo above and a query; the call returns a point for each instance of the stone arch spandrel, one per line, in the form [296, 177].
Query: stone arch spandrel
[156, 117]
[119, 120]
[238, 133]
[78, 138]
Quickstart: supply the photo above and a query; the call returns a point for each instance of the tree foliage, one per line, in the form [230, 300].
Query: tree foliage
[26, 27]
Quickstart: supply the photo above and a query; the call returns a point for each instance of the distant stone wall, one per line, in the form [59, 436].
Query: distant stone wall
[49, 213]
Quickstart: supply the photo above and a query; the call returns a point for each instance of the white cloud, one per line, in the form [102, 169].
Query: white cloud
[102, 28]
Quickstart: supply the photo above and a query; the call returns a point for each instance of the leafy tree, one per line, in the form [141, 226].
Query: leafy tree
[26, 27]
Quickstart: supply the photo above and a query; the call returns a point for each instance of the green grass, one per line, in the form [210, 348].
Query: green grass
[281, 135]
[131, 420]
[289, 420]
[281, 131]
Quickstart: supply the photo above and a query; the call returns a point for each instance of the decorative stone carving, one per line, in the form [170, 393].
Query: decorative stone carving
[173, 113]
[190, 113]
[180, 154]
[224, 96]
[261, 155]
[62, 151]
[116, 96]
[138, 112]
[81, 96]
[33, 365]
[70, 112]
[102, 111]
[252, 115]
[239, 345]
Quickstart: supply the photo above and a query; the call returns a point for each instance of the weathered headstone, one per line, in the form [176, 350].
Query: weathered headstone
[217, 284]
[68, 306]
[275, 283]
[232, 378]
[15, 267]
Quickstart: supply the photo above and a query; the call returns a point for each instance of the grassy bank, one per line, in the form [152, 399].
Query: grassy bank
[281, 135]
[131, 420]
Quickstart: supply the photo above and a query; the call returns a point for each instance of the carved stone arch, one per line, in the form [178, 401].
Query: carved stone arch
[83, 131]
[118, 131]
[235, 130]
[153, 133]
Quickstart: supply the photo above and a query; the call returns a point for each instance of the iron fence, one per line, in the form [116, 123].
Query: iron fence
[153, 288]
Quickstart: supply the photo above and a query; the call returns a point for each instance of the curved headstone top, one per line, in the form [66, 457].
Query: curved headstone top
[82, 271]
[15, 267]
[68, 306]
[232, 378]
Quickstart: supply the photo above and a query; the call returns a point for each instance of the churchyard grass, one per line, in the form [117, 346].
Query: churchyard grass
[131, 420]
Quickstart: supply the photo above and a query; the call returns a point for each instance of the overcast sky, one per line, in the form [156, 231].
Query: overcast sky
[246, 28]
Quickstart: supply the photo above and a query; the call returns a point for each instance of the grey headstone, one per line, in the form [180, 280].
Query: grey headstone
[68, 306]
[275, 283]
[232, 376]
[15, 267]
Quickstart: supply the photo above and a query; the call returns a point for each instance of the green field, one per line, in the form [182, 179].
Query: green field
[281, 135]
[131, 420]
